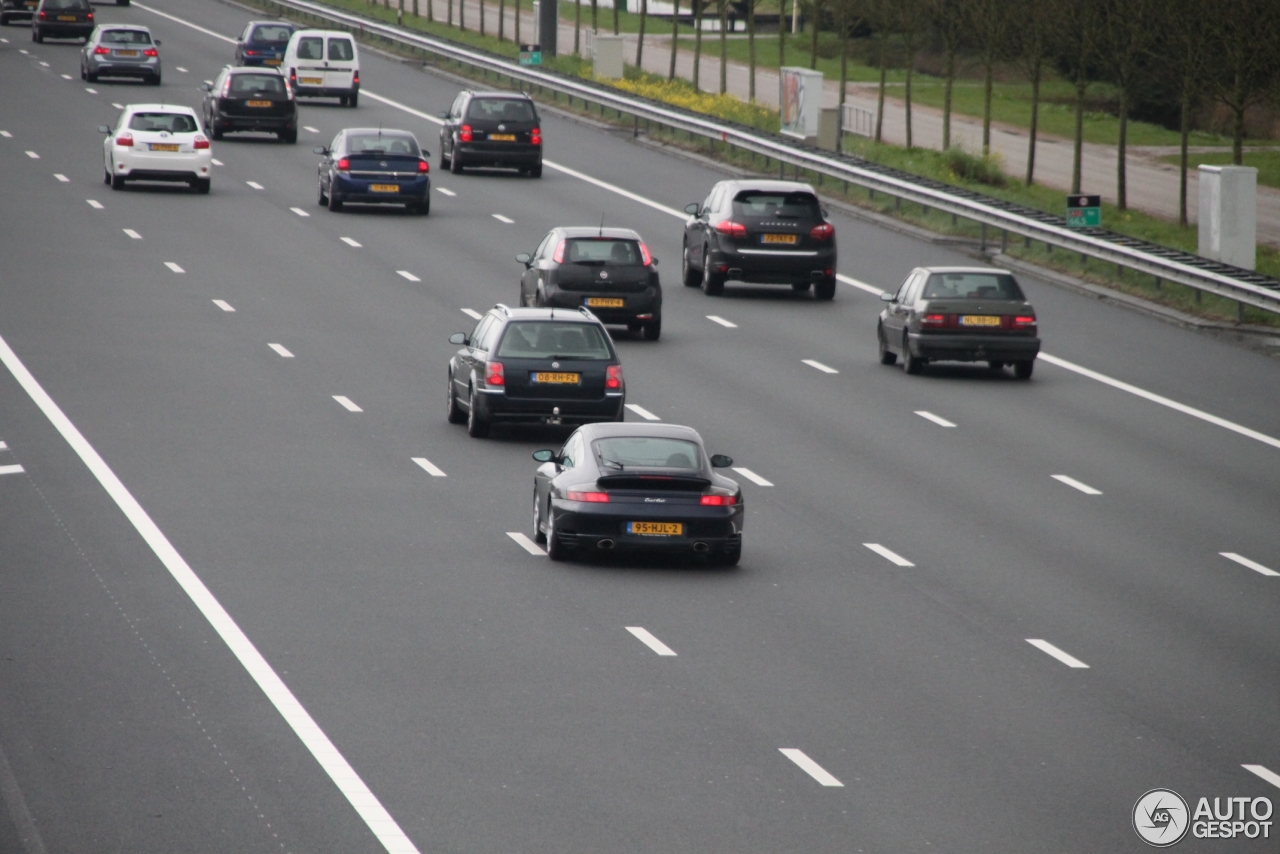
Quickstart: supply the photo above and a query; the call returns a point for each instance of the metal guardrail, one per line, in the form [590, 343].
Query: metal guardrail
[1245, 287]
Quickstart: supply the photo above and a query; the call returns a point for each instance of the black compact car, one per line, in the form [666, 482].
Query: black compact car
[250, 99]
[492, 129]
[645, 487]
[62, 19]
[766, 232]
[263, 42]
[375, 166]
[535, 365]
[959, 314]
[608, 270]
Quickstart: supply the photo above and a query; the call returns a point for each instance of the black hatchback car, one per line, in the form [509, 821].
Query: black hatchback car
[959, 314]
[374, 166]
[608, 270]
[492, 129]
[263, 42]
[648, 487]
[766, 232]
[62, 19]
[250, 99]
[535, 365]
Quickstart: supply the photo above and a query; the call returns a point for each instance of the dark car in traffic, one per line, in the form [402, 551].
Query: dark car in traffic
[959, 314]
[62, 19]
[766, 232]
[263, 43]
[250, 99]
[374, 166]
[636, 487]
[499, 129]
[608, 270]
[535, 365]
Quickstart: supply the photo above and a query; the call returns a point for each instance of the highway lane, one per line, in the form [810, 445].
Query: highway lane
[754, 649]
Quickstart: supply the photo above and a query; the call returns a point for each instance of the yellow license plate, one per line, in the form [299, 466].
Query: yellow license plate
[272, 61]
[502, 137]
[163, 146]
[788, 239]
[384, 188]
[555, 378]
[126, 53]
[258, 103]
[66, 17]
[311, 81]
[979, 320]
[656, 529]
[605, 302]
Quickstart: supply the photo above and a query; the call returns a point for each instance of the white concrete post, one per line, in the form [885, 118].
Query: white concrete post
[1229, 215]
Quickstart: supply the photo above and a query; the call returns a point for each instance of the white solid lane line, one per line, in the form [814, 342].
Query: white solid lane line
[1244, 561]
[95, 204]
[728, 324]
[1075, 484]
[813, 769]
[429, 467]
[501, 218]
[186, 23]
[347, 404]
[257, 186]
[642, 412]
[310, 129]
[11, 469]
[346, 240]
[824, 368]
[33, 155]
[223, 304]
[613, 188]
[446, 191]
[892, 557]
[294, 713]
[525, 543]
[133, 234]
[650, 641]
[301, 212]
[410, 276]
[62, 178]
[1265, 773]
[216, 161]
[751, 476]
[285, 354]
[472, 313]
[174, 267]
[1046, 647]
[929, 416]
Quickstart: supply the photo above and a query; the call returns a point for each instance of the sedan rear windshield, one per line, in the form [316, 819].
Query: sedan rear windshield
[172, 122]
[379, 145]
[626, 452]
[125, 37]
[501, 110]
[65, 4]
[551, 339]
[247, 83]
[273, 34]
[972, 286]
[602, 252]
[779, 205]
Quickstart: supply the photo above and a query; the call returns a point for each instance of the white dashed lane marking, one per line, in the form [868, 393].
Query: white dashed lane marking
[257, 186]
[223, 304]
[501, 218]
[33, 155]
[117, 106]
[410, 276]
[1049, 649]
[174, 267]
[813, 769]
[472, 313]
[11, 469]
[752, 476]
[1244, 561]
[642, 412]
[279, 348]
[891, 556]
[936, 419]
[62, 178]
[91, 90]
[6, 134]
[525, 543]
[132, 233]
[217, 162]
[650, 641]
[301, 212]
[95, 204]
[346, 240]
[728, 324]
[310, 129]
[824, 368]
[346, 403]
[1075, 484]
[446, 191]
[3, 446]
[429, 467]
[180, 68]
[45, 64]
[67, 77]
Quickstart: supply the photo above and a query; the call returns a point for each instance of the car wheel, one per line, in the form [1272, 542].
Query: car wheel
[538, 301]
[455, 164]
[477, 427]
[422, 208]
[536, 171]
[106, 177]
[712, 283]
[288, 137]
[825, 290]
[83, 74]
[154, 81]
[539, 536]
[455, 414]
[444, 158]
[801, 287]
[887, 356]
[91, 77]
[36, 37]
[653, 331]
[335, 202]
[910, 363]
[996, 366]
[4, 22]
[688, 275]
[1022, 370]
[122, 2]
[201, 186]
[555, 550]
[353, 100]
[117, 182]
[324, 199]
[215, 129]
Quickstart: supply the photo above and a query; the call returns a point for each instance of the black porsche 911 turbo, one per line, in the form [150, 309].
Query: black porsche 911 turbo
[636, 487]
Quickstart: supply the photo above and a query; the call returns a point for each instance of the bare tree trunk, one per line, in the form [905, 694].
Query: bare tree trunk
[697, 44]
[502, 20]
[431, 10]
[450, 4]
[724, 46]
[1035, 123]
[644, 14]
[1237, 126]
[884, 72]
[675, 33]
[577, 26]
[462, 15]
[415, 8]
[1082, 83]
[516, 5]
[844, 72]
[615, 15]
[481, 17]
[986, 106]
[1184, 130]
[595, 16]
[751, 50]
[949, 79]
[908, 95]
[1122, 190]
[813, 37]
[782, 32]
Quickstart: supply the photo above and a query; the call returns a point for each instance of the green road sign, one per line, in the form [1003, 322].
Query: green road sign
[530, 54]
[1084, 211]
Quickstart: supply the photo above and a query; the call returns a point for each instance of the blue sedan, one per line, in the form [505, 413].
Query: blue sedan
[374, 166]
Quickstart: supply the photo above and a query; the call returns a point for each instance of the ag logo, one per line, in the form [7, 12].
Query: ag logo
[1160, 817]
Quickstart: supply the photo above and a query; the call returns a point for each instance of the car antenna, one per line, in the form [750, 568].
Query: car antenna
[601, 233]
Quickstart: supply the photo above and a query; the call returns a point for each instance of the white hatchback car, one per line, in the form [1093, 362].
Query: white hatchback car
[156, 142]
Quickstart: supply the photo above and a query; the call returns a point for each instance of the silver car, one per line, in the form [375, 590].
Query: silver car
[121, 50]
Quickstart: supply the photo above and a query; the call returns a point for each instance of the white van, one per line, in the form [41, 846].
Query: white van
[323, 64]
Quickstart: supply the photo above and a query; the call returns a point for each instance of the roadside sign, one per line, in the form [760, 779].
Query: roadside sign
[530, 54]
[1084, 211]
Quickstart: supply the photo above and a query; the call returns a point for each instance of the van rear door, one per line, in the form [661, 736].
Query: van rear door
[341, 64]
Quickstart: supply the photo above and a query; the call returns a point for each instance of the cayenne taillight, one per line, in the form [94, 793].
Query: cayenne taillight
[493, 374]
[593, 497]
[535, 136]
[343, 165]
[613, 376]
[645, 255]
[719, 500]
[150, 52]
[822, 231]
[423, 167]
[729, 228]
[558, 256]
[200, 143]
[101, 51]
[464, 133]
[125, 139]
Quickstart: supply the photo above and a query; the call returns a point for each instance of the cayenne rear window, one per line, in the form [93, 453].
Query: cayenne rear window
[627, 452]
[382, 144]
[551, 339]
[341, 50]
[271, 35]
[311, 47]
[501, 110]
[972, 286]
[246, 83]
[781, 205]
[125, 37]
[172, 122]
[602, 252]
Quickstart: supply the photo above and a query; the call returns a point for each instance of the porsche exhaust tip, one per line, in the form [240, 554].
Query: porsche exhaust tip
[605, 544]
[701, 548]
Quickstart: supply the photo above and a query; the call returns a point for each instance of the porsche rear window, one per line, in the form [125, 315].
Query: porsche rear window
[172, 122]
[272, 34]
[125, 37]
[552, 339]
[780, 205]
[501, 110]
[972, 286]
[627, 452]
[602, 252]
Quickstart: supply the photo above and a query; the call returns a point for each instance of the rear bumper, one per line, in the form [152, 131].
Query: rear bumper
[323, 91]
[269, 61]
[494, 405]
[751, 264]
[55, 30]
[17, 13]
[498, 154]
[973, 348]
[107, 68]
[167, 167]
[647, 302]
[265, 123]
[357, 190]
[707, 530]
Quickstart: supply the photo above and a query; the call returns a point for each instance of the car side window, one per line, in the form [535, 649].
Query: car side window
[456, 110]
[571, 455]
[901, 295]
[544, 248]
[480, 333]
[337, 141]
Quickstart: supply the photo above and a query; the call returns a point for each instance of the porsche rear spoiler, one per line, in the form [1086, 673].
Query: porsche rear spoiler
[632, 480]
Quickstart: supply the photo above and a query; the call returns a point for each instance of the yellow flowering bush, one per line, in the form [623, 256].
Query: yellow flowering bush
[680, 93]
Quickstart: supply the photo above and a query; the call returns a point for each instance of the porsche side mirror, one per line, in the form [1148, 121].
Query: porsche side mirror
[545, 456]
[691, 209]
[458, 338]
[721, 461]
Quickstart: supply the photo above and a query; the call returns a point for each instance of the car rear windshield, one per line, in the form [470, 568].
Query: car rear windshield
[501, 110]
[972, 286]
[172, 122]
[602, 252]
[311, 47]
[66, 4]
[780, 205]
[271, 34]
[248, 83]
[341, 50]
[554, 339]
[125, 37]
[382, 144]
[627, 452]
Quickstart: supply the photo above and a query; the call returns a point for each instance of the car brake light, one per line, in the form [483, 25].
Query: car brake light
[293, 78]
[355, 78]
[464, 133]
[822, 231]
[593, 497]
[645, 256]
[1023, 322]
[125, 139]
[90, 17]
[226, 88]
[423, 166]
[933, 320]
[250, 53]
[729, 228]
[493, 374]
[43, 15]
[100, 51]
[558, 257]
[719, 500]
[535, 136]
[150, 52]
[613, 376]
[201, 143]
[343, 165]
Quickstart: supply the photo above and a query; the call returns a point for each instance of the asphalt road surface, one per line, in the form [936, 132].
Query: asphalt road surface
[236, 615]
